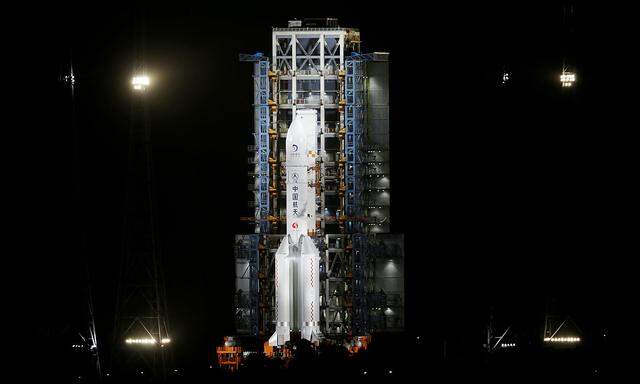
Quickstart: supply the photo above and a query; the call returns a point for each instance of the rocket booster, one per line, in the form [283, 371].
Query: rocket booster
[297, 258]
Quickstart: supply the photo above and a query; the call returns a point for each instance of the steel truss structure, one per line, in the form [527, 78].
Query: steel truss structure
[354, 121]
[362, 263]
[141, 309]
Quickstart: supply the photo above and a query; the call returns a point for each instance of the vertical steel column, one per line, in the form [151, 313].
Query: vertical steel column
[353, 137]
[247, 302]
[261, 76]
[294, 69]
[322, 130]
[254, 297]
[360, 320]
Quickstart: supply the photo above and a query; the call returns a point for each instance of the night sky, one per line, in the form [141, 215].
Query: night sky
[506, 196]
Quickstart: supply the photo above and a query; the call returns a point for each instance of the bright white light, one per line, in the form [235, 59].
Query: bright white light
[567, 78]
[148, 340]
[140, 82]
[71, 79]
[562, 339]
[506, 76]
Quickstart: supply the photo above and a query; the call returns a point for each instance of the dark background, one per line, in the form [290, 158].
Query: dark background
[507, 196]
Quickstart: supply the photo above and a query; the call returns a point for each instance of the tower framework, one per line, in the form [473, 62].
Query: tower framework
[316, 64]
[141, 333]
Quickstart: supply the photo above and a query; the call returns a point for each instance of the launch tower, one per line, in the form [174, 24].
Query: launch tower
[316, 65]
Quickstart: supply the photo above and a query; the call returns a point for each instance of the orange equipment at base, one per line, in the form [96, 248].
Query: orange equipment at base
[229, 354]
[272, 352]
[359, 343]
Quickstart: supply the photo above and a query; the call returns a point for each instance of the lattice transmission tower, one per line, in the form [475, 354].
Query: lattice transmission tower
[141, 332]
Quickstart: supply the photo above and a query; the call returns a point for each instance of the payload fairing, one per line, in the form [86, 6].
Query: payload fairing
[297, 280]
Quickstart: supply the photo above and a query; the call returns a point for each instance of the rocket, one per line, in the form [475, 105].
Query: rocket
[297, 261]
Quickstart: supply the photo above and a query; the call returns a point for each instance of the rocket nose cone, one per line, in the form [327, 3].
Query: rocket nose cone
[293, 127]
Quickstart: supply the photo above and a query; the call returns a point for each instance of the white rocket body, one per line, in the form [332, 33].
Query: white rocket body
[297, 261]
